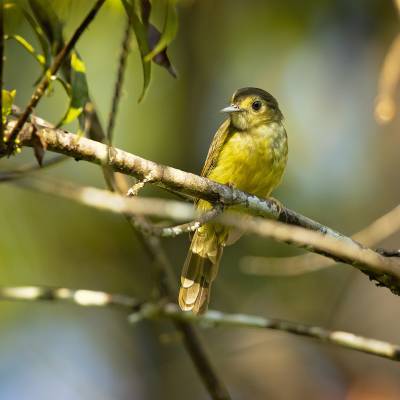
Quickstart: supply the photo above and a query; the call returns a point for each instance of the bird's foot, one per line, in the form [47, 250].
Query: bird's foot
[279, 206]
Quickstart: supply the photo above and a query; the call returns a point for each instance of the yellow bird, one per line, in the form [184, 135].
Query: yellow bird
[249, 152]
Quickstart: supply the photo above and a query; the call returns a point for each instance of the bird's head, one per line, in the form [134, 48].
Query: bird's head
[252, 107]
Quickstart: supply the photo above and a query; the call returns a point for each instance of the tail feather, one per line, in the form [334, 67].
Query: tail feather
[198, 273]
[203, 298]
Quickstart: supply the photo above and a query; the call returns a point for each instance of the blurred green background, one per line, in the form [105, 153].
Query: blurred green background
[321, 59]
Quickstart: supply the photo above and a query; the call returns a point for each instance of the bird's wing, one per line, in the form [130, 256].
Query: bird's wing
[215, 148]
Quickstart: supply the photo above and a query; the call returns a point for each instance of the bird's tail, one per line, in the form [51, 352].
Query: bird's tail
[200, 269]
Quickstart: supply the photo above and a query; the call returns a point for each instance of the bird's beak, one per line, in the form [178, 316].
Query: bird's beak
[231, 109]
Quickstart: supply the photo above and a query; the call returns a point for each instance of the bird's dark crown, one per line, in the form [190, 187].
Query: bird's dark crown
[252, 91]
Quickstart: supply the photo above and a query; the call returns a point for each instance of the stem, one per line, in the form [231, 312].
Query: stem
[119, 82]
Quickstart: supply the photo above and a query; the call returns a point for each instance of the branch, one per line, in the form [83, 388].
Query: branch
[385, 102]
[69, 144]
[173, 231]
[386, 270]
[110, 201]
[214, 319]
[344, 339]
[63, 142]
[81, 297]
[90, 298]
[380, 229]
[377, 267]
[24, 170]
[120, 80]
[109, 176]
[48, 76]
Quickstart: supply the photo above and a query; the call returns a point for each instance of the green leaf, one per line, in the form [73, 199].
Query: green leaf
[29, 48]
[76, 86]
[7, 100]
[44, 44]
[161, 58]
[140, 28]
[43, 59]
[49, 22]
[169, 31]
[78, 90]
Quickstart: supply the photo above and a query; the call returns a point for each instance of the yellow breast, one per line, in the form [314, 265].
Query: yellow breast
[253, 161]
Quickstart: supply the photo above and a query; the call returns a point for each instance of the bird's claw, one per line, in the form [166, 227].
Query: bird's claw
[279, 206]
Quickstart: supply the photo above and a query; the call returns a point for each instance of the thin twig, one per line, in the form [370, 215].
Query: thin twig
[370, 236]
[191, 339]
[188, 227]
[120, 81]
[385, 103]
[81, 297]
[48, 76]
[24, 170]
[366, 260]
[214, 319]
[340, 338]
[110, 201]
[108, 173]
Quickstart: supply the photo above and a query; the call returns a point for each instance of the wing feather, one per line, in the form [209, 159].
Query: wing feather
[213, 153]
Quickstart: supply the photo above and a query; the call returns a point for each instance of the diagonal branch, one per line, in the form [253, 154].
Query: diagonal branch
[66, 143]
[24, 170]
[385, 270]
[370, 236]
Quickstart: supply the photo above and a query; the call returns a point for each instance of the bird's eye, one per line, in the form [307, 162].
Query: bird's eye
[256, 105]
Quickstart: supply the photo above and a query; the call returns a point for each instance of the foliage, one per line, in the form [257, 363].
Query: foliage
[48, 28]
[7, 102]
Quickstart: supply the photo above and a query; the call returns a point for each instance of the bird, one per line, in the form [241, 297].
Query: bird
[248, 152]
